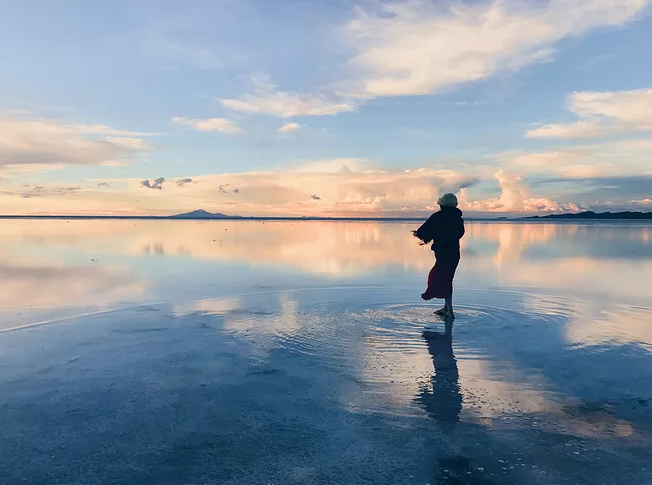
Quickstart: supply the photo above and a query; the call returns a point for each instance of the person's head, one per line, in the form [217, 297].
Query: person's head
[447, 200]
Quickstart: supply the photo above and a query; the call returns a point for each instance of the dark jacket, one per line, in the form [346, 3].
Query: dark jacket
[444, 228]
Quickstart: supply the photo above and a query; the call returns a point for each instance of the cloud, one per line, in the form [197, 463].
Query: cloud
[642, 201]
[419, 47]
[129, 143]
[516, 196]
[286, 128]
[615, 158]
[422, 47]
[287, 105]
[183, 182]
[221, 125]
[42, 191]
[42, 143]
[224, 189]
[157, 184]
[620, 190]
[334, 188]
[362, 189]
[602, 114]
[578, 129]
[103, 184]
[268, 100]
[333, 165]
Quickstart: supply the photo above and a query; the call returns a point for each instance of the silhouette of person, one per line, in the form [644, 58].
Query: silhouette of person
[443, 229]
[442, 402]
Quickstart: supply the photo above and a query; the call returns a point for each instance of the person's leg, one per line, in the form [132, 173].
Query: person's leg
[449, 307]
[449, 301]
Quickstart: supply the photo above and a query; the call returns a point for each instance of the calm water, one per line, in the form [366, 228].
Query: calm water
[52, 269]
[316, 333]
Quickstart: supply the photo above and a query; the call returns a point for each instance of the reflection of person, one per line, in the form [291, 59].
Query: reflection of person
[444, 401]
[444, 229]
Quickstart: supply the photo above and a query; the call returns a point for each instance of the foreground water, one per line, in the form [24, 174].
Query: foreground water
[179, 352]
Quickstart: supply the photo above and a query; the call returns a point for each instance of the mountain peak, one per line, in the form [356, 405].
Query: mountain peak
[199, 214]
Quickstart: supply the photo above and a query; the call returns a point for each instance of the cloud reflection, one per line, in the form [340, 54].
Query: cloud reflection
[48, 261]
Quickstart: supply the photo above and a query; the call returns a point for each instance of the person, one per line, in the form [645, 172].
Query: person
[444, 229]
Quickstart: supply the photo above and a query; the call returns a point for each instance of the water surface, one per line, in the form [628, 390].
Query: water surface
[300, 352]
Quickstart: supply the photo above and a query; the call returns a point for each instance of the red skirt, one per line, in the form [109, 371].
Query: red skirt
[440, 280]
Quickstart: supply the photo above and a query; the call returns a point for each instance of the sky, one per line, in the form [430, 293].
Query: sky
[324, 108]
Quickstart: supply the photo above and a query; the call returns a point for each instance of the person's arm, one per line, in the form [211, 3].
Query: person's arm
[426, 233]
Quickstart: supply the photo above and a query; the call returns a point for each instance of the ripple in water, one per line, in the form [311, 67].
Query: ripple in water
[504, 348]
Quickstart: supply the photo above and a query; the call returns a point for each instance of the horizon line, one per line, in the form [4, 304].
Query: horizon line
[182, 217]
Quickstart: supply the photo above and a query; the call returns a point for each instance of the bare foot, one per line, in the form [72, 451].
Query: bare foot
[441, 312]
[449, 314]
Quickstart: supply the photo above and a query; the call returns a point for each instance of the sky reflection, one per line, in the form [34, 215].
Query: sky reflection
[551, 345]
[82, 265]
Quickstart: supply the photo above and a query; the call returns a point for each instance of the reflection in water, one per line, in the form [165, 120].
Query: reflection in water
[80, 264]
[551, 361]
[49, 288]
[442, 398]
[337, 248]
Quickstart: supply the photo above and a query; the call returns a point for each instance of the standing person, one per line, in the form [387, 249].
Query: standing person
[444, 229]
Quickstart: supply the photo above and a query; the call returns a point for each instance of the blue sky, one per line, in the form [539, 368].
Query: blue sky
[342, 107]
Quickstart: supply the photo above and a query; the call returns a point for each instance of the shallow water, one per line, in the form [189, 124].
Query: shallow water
[300, 352]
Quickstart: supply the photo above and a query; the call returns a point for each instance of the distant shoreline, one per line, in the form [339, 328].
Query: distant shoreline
[226, 218]
[552, 217]
[594, 216]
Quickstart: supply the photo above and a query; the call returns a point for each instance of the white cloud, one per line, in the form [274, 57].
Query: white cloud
[42, 191]
[221, 125]
[268, 100]
[114, 163]
[131, 143]
[332, 165]
[29, 142]
[422, 47]
[617, 158]
[602, 114]
[104, 130]
[287, 127]
[516, 196]
[578, 129]
[344, 187]
[287, 105]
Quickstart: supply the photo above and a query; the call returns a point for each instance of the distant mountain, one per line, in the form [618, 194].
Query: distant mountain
[200, 214]
[627, 215]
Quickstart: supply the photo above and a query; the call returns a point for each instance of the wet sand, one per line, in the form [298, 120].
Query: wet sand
[333, 373]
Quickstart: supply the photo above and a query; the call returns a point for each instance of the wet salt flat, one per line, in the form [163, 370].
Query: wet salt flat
[239, 352]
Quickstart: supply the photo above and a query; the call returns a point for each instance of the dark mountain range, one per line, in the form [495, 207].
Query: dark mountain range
[590, 215]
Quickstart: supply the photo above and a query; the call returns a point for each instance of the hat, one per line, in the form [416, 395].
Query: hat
[448, 200]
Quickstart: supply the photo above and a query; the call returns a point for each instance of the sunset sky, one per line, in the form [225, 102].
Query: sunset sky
[338, 107]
